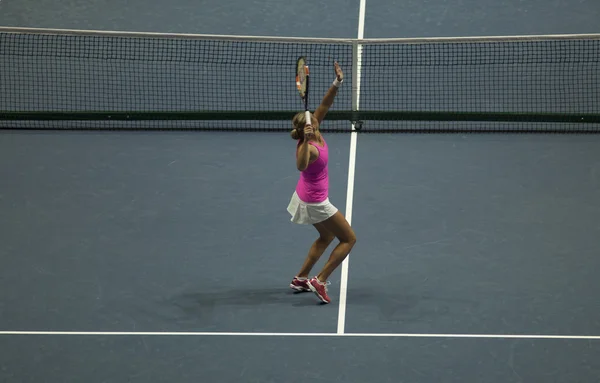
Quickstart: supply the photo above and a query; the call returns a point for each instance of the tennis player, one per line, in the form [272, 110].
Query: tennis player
[310, 204]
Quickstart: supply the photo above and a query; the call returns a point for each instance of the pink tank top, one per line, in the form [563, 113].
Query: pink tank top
[313, 185]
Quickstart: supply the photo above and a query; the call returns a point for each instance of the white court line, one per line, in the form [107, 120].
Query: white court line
[283, 334]
[361, 19]
[349, 198]
[351, 167]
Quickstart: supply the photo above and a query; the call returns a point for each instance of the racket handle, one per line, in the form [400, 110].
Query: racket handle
[307, 117]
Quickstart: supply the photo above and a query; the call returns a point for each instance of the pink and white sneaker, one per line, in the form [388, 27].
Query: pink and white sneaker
[300, 284]
[320, 289]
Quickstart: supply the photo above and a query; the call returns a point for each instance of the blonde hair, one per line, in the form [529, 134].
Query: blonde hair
[299, 122]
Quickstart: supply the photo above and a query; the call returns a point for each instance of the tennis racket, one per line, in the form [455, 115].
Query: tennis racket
[302, 84]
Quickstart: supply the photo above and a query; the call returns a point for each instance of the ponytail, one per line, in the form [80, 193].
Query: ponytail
[295, 134]
[299, 121]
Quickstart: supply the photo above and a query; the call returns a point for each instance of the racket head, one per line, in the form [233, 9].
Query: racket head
[302, 77]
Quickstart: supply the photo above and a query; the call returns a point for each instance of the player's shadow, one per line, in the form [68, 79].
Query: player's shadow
[203, 302]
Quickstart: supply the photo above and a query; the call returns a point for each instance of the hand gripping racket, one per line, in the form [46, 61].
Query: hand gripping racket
[302, 84]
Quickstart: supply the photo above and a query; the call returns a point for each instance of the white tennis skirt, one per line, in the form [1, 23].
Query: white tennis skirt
[305, 213]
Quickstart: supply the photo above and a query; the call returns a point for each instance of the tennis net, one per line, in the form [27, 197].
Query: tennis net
[65, 79]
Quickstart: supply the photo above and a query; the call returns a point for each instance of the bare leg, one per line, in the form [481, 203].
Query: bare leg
[337, 225]
[316, 250]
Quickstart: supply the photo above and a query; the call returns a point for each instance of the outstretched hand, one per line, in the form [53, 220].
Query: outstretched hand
[338, 71]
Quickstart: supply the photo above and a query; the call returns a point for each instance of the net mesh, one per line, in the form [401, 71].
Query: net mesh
[125, 81]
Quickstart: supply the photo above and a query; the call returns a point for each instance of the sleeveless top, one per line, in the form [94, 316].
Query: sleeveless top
[313, 185]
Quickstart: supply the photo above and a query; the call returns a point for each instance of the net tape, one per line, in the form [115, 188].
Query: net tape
[119, 80]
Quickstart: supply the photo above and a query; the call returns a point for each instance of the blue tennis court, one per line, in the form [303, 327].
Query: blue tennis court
[166, 255]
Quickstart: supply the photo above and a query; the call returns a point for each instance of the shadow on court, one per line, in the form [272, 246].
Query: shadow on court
[205, 302]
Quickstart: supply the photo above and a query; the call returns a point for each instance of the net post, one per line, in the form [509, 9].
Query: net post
[355, 76]
[356, 60]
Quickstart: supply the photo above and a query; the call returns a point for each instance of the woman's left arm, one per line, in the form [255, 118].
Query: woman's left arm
[330, 95]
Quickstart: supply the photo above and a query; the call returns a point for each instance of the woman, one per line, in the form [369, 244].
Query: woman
[310, 202]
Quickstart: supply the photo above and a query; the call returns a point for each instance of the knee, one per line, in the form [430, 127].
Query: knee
[350, 239]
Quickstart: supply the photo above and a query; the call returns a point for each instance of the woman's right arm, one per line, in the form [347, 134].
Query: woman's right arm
[306, 153]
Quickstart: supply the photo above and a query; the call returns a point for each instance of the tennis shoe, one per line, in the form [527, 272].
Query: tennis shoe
[300, 285]
[320, 289]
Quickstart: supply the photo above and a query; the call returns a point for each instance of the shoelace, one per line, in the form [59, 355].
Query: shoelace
[327, 283]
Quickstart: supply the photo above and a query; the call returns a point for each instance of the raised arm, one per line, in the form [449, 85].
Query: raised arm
[306, 153]
[330, 95]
